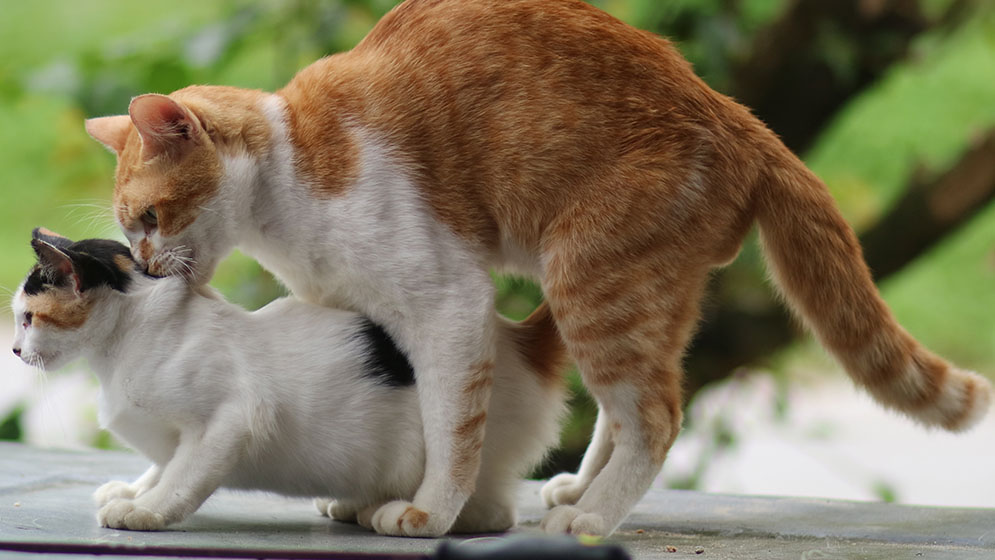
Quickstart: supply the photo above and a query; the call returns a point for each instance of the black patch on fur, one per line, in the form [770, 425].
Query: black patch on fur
[384, 360]
[93, 260]
[36, 282]
[54, 240]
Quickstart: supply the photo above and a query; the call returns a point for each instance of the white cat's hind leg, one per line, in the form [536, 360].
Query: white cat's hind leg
[364, 517]
[338, 510]
[486, 516]
[321, 504]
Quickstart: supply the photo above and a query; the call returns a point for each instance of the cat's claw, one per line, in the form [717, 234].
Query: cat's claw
[402, 519]
[573, 520]
[562, 489]
[124, 514]
[113, 490]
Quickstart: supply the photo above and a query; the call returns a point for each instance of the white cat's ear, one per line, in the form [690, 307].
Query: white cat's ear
[57, 263]
[112, 132]
[164, 124]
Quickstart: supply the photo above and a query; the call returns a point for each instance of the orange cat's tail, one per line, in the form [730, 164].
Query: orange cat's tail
[818, 264]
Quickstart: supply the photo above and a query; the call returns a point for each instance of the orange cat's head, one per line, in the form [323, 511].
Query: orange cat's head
[167, 185]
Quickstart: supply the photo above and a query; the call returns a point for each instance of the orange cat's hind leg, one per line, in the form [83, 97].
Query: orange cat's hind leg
[567, 488]
[626, 324]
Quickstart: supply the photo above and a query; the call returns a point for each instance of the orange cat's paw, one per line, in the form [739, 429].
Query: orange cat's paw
[113, 490]
[562, 489]
[402, 519]
[125, 514]
[573, 520]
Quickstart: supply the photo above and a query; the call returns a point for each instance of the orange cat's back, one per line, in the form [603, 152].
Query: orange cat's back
[557, 129]
[504, 105]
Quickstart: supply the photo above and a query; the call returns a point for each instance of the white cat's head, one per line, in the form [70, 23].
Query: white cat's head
[172, 155]
[60, 310]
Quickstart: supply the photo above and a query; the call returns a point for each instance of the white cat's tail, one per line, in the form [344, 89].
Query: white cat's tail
[527, 402]
[539, 343]
[818, 264]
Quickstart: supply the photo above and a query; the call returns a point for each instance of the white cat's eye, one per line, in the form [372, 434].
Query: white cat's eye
[27, 319]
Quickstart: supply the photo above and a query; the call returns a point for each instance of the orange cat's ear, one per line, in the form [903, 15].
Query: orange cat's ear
[110, 131]
[164, 124]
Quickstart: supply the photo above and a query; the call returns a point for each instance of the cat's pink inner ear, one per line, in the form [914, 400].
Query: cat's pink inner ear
[163, 124]
[110, 131]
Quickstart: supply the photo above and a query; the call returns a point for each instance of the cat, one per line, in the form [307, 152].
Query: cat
[294, 398]
[537, 137]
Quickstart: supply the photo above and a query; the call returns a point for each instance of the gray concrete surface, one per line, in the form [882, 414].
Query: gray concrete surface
[45, 505]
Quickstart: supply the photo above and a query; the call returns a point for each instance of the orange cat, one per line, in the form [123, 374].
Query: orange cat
[542, 137]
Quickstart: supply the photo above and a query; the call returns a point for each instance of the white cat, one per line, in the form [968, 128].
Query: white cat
[294, 398]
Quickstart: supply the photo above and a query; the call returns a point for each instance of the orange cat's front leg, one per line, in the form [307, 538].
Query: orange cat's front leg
[453, 357]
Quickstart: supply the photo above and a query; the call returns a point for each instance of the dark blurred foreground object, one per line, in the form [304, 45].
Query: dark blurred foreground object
[528, 547]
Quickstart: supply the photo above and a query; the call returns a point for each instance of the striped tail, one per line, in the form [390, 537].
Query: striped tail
[818, 265]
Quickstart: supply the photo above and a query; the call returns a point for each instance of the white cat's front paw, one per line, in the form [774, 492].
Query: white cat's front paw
[113, 490]
[402, 519]
[562, 489]
[124, 514]
[573, 520]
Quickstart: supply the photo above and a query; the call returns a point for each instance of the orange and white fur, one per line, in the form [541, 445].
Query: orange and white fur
[294, 398]
[541, 137]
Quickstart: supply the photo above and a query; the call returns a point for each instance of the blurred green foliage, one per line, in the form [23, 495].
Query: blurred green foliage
[64, 61]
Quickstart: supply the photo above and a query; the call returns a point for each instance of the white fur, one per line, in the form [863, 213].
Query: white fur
[278, 400]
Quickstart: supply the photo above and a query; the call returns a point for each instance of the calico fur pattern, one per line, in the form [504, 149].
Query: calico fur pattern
[294, 398]
[544, 138]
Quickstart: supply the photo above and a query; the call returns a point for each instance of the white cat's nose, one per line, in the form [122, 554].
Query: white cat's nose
[17, 352]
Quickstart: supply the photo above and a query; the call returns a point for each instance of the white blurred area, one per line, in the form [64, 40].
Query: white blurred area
[831, 441]
[812, 437]
[60, 408]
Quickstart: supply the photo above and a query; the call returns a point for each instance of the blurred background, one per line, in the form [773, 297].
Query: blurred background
[891, 102]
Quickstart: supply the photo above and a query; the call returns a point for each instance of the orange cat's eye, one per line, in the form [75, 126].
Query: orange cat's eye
[150, 219]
